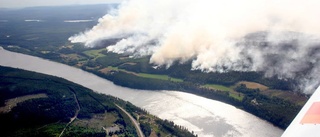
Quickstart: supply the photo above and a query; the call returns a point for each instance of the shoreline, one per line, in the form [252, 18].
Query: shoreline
[93, 82]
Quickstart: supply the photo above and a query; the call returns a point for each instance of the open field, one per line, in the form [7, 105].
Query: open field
[232, 93]
[236, 95]
[144, 75]
[94, 53]
[98, 121]
[253, 85]
[286, 95]
[218, 87]
[161, 77]
[11, 103]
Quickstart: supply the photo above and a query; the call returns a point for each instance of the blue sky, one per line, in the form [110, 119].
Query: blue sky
[32, 3]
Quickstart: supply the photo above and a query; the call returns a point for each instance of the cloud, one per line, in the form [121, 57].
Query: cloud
[278, 37]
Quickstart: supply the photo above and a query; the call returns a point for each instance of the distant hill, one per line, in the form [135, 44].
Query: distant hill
[33, 104]
[48, 26]
[277, 100]
[57, 12]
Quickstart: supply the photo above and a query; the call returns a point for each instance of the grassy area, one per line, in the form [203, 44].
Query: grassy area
[44, 111]
[53, 128]
[161, 77]
[236, 95]
[113, 68]
[146, 75]
[97, 121]
[94, 53]
[218, 87]
[14, 101]
[286, 95]
[253, 85]
[232, 93]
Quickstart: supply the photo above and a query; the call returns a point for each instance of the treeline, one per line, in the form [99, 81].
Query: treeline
[59, 106]
[170, 127]
[136, 82]
[165, 126]
[185, 72]
[181, 71]
[277, 111]
[47, 116]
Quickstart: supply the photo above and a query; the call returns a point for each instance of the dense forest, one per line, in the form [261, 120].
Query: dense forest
[271, 98]
[33, 104]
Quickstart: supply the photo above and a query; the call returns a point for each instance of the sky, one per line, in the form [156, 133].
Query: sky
[34, 3]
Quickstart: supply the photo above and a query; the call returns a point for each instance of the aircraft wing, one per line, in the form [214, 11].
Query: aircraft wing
[307, 122]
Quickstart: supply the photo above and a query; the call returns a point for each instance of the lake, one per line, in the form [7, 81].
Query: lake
[204, 116]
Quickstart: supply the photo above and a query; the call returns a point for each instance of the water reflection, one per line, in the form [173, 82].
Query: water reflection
[203, 116]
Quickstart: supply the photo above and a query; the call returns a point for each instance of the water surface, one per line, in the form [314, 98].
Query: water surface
[204, 116]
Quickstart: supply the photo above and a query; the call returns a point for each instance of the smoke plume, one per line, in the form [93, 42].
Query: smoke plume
[278, 37]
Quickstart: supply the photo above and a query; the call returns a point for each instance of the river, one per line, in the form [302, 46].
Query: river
[204, 116]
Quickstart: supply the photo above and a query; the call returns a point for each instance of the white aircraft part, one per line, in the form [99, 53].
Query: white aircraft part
[307, 122]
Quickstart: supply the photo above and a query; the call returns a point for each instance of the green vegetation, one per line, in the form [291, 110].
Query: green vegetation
[253, 85]
[146, 75]
[218, 87]
[49, 40]
[236, 95]
[268, 108]
[294, 98]
[94, 53]
[160, 77]
[51, 106]
[138, 73]
[232, 93]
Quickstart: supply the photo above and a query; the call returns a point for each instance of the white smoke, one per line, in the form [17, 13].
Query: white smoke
[279, 37]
